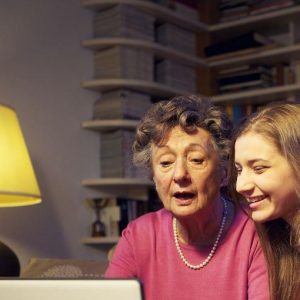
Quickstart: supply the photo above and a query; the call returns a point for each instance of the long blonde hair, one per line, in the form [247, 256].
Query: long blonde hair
[279, 123]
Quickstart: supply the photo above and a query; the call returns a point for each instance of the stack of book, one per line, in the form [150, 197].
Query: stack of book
[124, 21]
[239, 45]
[176, 37]
[116, 155]
[245, 77]
[121, 104]
[186, 8]
[230, 10]
[124, 62]
[176, 75]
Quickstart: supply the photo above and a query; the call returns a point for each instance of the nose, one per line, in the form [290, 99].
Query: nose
[181, 172]
[244, 183]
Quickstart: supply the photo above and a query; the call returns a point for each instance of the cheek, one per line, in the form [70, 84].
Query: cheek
[162, 183]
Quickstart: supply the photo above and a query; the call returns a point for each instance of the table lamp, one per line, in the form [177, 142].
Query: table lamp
[18, 184]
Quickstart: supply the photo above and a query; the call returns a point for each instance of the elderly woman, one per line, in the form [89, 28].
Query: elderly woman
[198, 246]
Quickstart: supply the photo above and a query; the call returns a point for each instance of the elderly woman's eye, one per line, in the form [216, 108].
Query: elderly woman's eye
[197, 161]
[165, 163]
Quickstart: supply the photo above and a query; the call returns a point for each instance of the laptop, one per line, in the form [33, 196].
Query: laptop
[70, 289]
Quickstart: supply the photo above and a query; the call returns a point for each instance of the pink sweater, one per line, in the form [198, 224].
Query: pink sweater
[147, 251]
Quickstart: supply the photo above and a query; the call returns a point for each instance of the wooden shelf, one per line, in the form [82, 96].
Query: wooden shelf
[134, 188]
[100, 240]
[248, 23]
[109, 125]
[149, 87]
[272, 56]
[259, 95]
[160, 12]
[157, 49]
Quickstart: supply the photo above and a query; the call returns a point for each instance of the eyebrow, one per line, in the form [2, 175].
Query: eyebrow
[192, 145]
[252, 161]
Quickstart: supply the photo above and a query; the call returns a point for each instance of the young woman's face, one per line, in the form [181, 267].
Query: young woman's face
[264, 178]
[186, 172]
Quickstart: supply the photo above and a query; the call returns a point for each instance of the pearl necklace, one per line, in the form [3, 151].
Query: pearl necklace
[212, 251]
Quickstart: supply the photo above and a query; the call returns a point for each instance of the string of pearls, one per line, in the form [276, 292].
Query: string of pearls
[212, 251]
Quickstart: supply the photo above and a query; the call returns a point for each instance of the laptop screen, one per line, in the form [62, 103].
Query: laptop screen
[70, 289]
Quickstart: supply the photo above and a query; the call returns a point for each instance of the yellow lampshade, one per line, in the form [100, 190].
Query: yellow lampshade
[18, 184]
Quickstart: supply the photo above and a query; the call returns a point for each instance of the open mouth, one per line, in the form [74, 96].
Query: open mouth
[184, 195]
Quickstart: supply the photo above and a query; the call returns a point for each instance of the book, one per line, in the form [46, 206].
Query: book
[245, 41]
[242, 52]
[176, 75]
[177, 38]
[245, 85]
[121, 104]
[260, 7]
[245, 78]
[247, 70]
[124, 21]
[124, 62]
[116, 155]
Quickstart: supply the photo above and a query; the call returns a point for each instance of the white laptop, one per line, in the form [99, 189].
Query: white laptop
[70, 289]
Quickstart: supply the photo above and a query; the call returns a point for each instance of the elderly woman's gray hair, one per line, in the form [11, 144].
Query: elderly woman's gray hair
[188, 112]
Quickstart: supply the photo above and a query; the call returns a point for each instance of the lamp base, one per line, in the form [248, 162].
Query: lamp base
[9, 263]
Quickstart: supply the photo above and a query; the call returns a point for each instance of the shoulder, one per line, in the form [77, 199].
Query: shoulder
[243, 230]
[241, 219]
[150, 222]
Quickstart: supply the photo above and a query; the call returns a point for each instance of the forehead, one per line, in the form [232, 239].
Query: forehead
[254, 145]
[178, 138]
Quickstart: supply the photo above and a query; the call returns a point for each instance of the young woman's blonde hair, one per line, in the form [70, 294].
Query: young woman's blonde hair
[279, 123]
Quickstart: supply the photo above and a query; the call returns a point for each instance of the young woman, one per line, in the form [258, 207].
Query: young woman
[265, 173]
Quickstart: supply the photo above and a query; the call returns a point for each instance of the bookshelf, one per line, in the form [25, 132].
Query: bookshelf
[135, 189]
[160, 12]
[260, 95]
[100, 240]
[272, 18]
[149, 87]
[282, 25]
[109, 125]
[131, 88]
[160, 51]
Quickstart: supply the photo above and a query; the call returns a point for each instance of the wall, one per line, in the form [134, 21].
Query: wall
[42, 64]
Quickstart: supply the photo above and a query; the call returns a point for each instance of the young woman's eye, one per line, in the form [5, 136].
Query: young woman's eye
[259, 169]
[238, 170]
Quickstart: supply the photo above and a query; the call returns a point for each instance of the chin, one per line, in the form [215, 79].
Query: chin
[183, 211]
[261, 217]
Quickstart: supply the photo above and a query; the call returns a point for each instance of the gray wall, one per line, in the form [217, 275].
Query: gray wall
[41, 66]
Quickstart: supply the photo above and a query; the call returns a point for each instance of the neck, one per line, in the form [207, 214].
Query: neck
[199, 229]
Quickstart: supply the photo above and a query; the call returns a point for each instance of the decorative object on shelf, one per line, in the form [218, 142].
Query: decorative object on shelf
[98, 227]
[18, 184]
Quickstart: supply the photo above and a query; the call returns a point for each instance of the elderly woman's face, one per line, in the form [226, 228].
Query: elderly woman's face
[186, 172]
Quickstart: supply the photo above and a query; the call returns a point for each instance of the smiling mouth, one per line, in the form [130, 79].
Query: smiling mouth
[255, 199]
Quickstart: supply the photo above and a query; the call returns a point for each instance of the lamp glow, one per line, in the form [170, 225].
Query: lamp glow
[18, 184]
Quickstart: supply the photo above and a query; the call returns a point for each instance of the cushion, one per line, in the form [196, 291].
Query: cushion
[63, 268]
